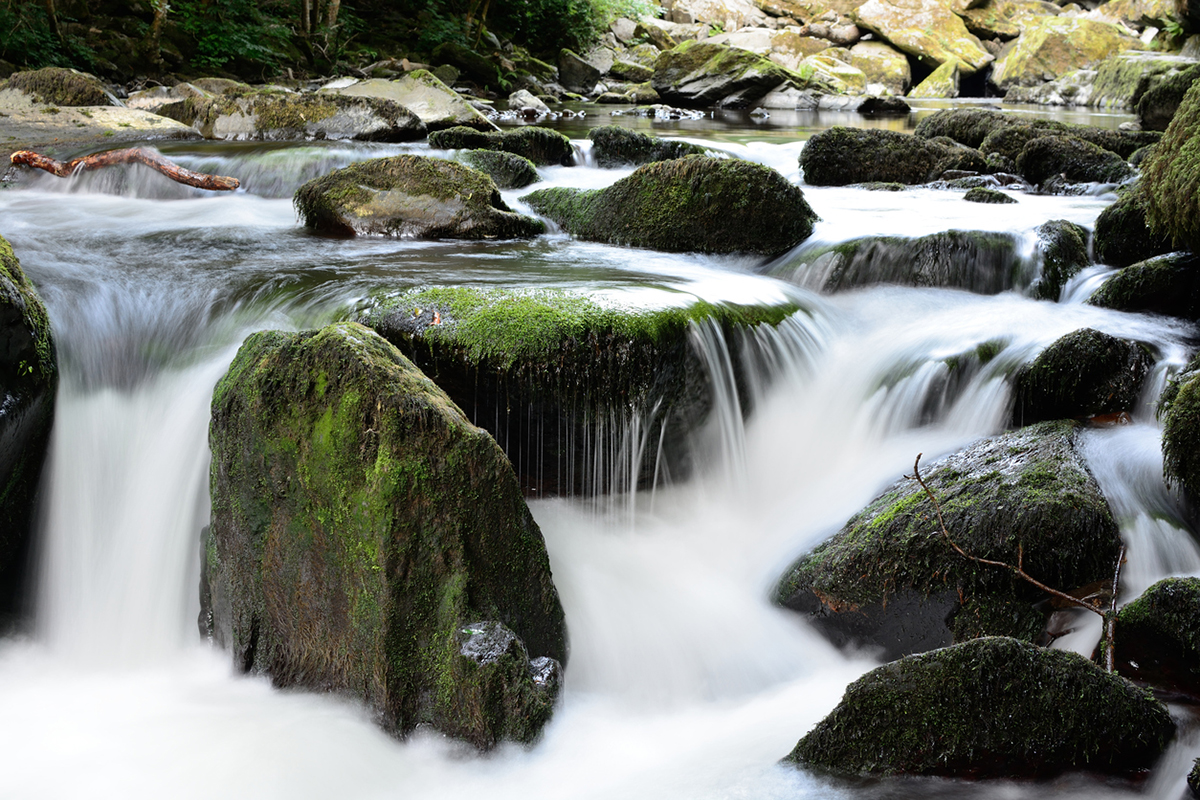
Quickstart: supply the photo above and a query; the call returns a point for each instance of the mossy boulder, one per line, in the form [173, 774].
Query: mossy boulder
[694, 204]
[882, 64]
[1082, 374]
[700, 74]
[28, 382]
[575, 74]
[841, 156]
[1157, 106]
[545, 370]
[996, 132]
[614, 146]
[542, 146]
[507, 170]
[1167, 284]
[422, 93]
[411, 197]
[1171, 177]
[367, 539]
[1122, 235]
[56, 86]
[1157, 637]
[942, 83]
[889, 580]
[991, 708]
[276, 115]
[982, 194]
[927, 30]
[1063, 248]
[1074, 159]
[1051, 46]
[1181, 435]
[969, 126]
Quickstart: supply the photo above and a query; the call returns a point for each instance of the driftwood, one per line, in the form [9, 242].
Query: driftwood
[132, 155]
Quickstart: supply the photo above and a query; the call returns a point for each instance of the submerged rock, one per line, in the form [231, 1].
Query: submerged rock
[422, 93]
[991, 708]
[1167, 284]
[508, 170]
[28, 382]
[1073, 159]
[367, 539]
[410, 197]
[1122, 236]
[889, 580]
[273, 115]
[1063, 247]
[542, 146]
[60, 87]
[841, 156]
[1171, 177]
[694, 204]
[1157, 637]
[614, 146]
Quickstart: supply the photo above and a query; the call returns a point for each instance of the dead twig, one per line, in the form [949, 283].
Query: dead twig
[132, 155]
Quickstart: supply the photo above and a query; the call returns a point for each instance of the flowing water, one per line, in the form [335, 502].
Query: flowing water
[684, 681]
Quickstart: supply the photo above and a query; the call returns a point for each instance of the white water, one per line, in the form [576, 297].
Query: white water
[684, 682]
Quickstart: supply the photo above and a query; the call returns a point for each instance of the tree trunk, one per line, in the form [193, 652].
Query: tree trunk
[332, 14]
[139, 155]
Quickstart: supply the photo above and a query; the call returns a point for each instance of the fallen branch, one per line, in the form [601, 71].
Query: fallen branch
[132, 155]
[1109, 616]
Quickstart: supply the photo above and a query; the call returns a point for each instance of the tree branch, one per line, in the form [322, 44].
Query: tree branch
[140, 155]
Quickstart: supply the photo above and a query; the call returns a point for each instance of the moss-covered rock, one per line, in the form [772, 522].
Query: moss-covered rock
[412, 197]
[1181, 435]
[545, 370]
[969, 126]
[1157, 106]
[991, 708]
[890, 580]
[1193, 779]
[841, 156]
[1171, 177]
[996, 132]
[367, 539]
[615, 146]
[1122, 235]
[507, 170]
[60, 87]
[1157, 637]
[1074, 159]
[699, 74]
[1063, 247]
[1167, 284]
[1081, 374]
[693, 204]
[422, 93]
[28, 381]
[942, 83]
[1003, 20]
[1051, 46]
[924, 29]
[982, 194]
[542, 146]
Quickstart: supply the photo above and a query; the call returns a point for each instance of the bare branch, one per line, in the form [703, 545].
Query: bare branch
[142, 155]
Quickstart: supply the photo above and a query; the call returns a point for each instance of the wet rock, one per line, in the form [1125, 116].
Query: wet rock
[1167, 284]
[156, 97]
[410, 197]
[841, 156]
[693, 204]
[1027, 489]
[968, 711]
[28, 382]
[1074, 159]
[422, 93]
[996, 132]
[413, 528]
[1193, 779]
[575, 74]
[56, 86]
[542, 146]
[981, 194]
[1063, 247]
[1052, 46]
[925, 29]
[507, 170]
[882, 64]
[1157, 106]
[630, 72]
[1171, 177]
[1123, 236]
[1157, 638]
[941, 83]
[526, 105]
[1083, 374]
[698, 74]
[1180, 415]
[614, 146]
[543, 370]
[1123, 80]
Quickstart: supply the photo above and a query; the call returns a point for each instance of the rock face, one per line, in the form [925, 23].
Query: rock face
[1123, 236]
[60, 87]
[1181, 436]
[614, 146]
[1004, 19]
[508, 170]
[410, 197]
[1167, 284]
[840, 156]
[889, 580]
[1074, 159]
[542, 146]
[882, 64]
[1082, 374]
[268, 115]
[694, 204]
[1063, 247]
[1052, 46]
[1157, 106]
[1171, 177]
[991, 708]
[1157, 637]
[435, 104]
[367, 539]
[697, 74]
[941, 83]
[28, 381]
[925, 29]
[575, 74]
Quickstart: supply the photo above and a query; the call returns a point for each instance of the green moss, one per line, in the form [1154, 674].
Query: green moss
[1181, 437]
[614, 146]
[1063, 247]
[1167, 284]
[60, 87]
[982, 194]
[988, 130]
[508, 170]
[542, 146]
[1157, 106]
[1075, 159]
[1157, 637]
[1123, 236]
[698, 74]
[1171, 179]
[841, 156]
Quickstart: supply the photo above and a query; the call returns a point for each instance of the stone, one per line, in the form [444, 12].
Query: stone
[1076, 160]
[575, 74]
[889, 580]
[1005, 19]
[841, 156]
[925, 29]
[410, 197]
[542, 146]
[1157, 638]
[836, 72]
[155, 98]
[942, 83]
[982, 194]
[698, 74]
[507, 170]
[614, 146]
[57, 86]
[630, 71]
[623, 29]
[1052, 46]
[693, 204]
[729, 14]
[883, 64]
[1180, 416]
[1166, 284]
[1123, 236]
[1171, 177]
[1157, 105]
[1076, 88]
[422, 93]
[367, 539]
[523, 102]
[967, 712]
[1122, 81]
[1063, 251]
[789, 47]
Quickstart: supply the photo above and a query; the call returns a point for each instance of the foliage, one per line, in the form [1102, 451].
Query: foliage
[230, 30]
[27, 40]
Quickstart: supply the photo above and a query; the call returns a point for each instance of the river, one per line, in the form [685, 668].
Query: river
[684, 681]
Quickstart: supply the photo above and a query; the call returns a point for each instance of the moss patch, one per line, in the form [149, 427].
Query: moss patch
[1075, 159]
[981, 194]
[508, 170]
[1181, 436]
[988, 130]
[614, 146]
[60, 87]
[842, 156]
[542, 146]
[1171, 178]
[1123, 236]
[1158, 637]
[1063, 247]
[1167, 284]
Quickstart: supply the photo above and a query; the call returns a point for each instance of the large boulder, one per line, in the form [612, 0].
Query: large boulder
[1157, 637]
[508, 170]
[411, 197]
[1122, 235]
[274, 115]
[1073, 159]
[544, 370]
[615, 146]
[942, 83]
[1158, 104]
[696, 204]
[542, 146]
[56, 86]
[1052, 46]
[1063, 248]
[1167, 284]
[1123, 80]
[28, 381]
[840, 156]
[997, 132]
[992, 708]
[925, 29]
[1005, 19]
[575, 74]
[420, 91]
[1171, 177]
[882, 64]
[697, 74]
[1082, 374]
[889, 580]
[367, 539]
[1181, 433]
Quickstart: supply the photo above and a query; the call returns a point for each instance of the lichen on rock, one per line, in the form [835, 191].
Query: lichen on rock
[57, 86]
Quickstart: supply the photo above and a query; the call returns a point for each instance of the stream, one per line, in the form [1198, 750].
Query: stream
[684, 681]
